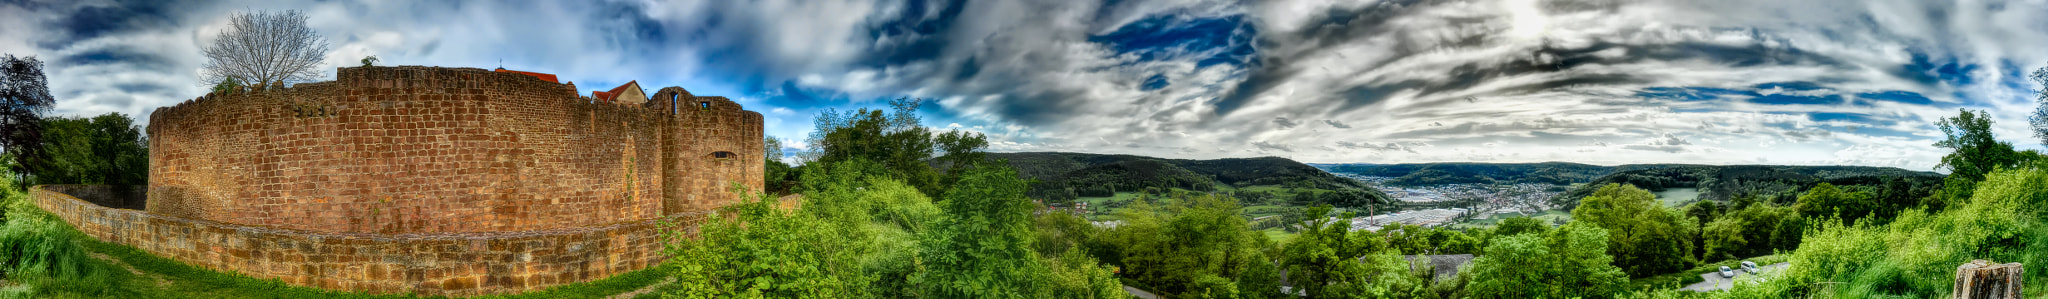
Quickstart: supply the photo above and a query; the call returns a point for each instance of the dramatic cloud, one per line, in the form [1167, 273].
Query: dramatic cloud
[1599, 81]
[1285, 123]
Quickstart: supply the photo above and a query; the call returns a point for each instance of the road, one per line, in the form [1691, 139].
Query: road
[1714, 281]
[1135, 292]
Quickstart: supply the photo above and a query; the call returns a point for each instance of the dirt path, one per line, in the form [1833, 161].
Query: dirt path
[160, 281]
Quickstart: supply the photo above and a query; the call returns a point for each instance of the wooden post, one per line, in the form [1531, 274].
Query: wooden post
[1983, 279]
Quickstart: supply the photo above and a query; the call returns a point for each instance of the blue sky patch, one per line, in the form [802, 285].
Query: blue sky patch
[1786, 99]
[1691, 94]
[1222, 40]
[1154, 83]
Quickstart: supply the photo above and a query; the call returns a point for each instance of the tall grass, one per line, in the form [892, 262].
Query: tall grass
[41, 253]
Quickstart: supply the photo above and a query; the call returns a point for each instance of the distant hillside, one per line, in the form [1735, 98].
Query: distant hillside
[1425, 174]
[1079, 174]
[1776, 183]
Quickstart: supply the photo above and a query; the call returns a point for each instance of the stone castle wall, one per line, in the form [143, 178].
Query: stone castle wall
[431, 264]
[424, 180]
[445, 150]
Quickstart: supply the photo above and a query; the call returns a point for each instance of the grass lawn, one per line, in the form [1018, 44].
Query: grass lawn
[1676, 197]
[1278, 235]
[1263, 210]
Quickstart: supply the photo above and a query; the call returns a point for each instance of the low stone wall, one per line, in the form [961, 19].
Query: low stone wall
[450, 264]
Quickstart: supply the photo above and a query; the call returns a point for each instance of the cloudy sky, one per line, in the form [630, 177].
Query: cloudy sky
[1856, 82]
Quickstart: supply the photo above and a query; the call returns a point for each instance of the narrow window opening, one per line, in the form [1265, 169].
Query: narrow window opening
[672, 98]
[724, 155]
[703, 105]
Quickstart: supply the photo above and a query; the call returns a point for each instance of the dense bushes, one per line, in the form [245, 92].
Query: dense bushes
[1193, 246]
[1647, 238]
[1916, 254]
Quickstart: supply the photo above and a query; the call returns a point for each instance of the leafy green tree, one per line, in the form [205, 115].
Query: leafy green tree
[24, 96]
[1520, 225]
[896, 140]
[1570, 262]
[1327, 260]
[1825, 200]
[108, 149]
[1975, 151]
[1724, 239]
[1584, 269]
[982, 248]
[1196, 246]
[763, 252]
[1514, 266]
[1645, 237]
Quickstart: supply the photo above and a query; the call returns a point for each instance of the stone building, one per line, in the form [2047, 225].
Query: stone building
[426, 180]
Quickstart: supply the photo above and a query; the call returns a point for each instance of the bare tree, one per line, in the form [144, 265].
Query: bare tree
[265, 48]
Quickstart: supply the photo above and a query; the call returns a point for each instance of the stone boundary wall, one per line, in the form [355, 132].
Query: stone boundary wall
[450, 264]
[414, 149]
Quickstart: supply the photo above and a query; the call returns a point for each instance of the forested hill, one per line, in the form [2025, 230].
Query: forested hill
[1425, 174]
[1766, 182]
[1098, 174]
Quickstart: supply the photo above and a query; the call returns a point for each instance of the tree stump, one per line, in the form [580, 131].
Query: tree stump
[1982, 279]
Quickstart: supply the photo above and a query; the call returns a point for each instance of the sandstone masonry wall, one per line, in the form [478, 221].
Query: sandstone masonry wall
[450, 264]
[400, 150]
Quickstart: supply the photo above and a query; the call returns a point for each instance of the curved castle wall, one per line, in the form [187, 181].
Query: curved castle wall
[449, 264]
[398, 150]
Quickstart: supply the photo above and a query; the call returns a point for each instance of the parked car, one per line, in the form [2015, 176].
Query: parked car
[1727, 273]
[1751, 267]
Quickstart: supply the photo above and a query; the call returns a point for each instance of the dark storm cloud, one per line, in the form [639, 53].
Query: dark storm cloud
[1274, 147]
[1285, 123]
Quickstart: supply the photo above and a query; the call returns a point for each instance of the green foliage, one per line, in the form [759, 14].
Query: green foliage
[1646, 238]
[1329, 260]
[1976, 151]
[762, 252]
[1778, 184]
[894, 139]
[37, 249]
[369, 60]
[1570, 262]
[1825, 200]
[982, 248]
[228, 85]
[1916, 254]
[1520, 225]
[106, 150]
[1197, 246]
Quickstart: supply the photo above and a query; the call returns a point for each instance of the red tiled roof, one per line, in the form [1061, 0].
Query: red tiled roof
[613, 95]
[543, 77]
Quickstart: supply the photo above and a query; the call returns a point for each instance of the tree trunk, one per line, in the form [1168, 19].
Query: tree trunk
[1982, 279]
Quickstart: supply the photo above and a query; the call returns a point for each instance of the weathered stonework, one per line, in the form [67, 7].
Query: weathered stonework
[451, 264]
[422, 173]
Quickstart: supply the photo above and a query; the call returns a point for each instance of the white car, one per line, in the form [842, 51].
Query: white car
[1727, 273]
[1750, 267]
